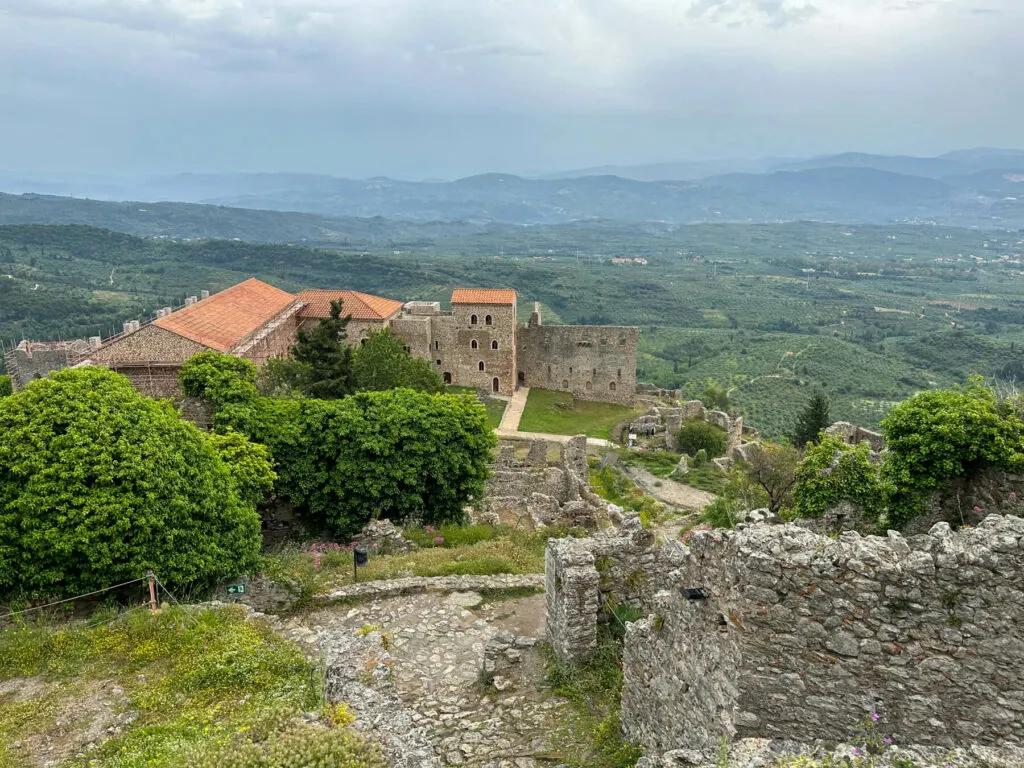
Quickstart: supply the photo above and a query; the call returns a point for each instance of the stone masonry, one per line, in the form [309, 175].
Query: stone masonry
[788, 634]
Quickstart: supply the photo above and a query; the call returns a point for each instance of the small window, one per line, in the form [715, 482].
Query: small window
[487, 320]
[587, 386]
[620, 373]
[362, 342]
[565, 383]
[480, 365]
[612, 386]
[622, 341]
[494, 345]
[472, 319]
[408, 348]
[495, 385]
[594, 373]
[437, 345]
[570, 370]
[447, 377]
[473, 344]
[438, 362]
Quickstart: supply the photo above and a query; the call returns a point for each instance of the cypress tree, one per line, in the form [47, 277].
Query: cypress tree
[812, 421]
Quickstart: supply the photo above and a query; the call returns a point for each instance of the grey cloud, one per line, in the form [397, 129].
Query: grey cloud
[773, 13]
[494, 49]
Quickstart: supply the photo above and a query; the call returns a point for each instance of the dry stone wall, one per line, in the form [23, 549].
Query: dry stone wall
[794, 635]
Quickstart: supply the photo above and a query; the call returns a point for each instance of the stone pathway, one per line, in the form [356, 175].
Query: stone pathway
[436, 654]
[514, 410]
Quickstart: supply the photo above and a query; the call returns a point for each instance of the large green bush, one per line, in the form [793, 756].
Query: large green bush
[698, 435]
[6, 386]
[218, 378]
[98, 484]
[381, 362]
[833, 472]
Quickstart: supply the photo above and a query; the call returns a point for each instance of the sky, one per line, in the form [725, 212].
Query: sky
[447, 88]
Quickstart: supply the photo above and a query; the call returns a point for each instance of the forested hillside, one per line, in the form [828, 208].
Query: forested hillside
[869, 315]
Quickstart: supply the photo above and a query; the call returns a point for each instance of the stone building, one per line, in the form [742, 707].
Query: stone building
[251, 320]
[478, 343]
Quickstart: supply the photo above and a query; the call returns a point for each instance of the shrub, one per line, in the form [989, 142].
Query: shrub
[833, 472]
[6, 386]
[772, 467]
[397, 454]
[698, 435]
[715, 397]
[98, 484]
[219, 378]
[382, 363]
[249, 464]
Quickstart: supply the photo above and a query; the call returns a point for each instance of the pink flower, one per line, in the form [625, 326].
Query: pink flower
[429, 529]
[1013, 497]
[439, 539]
[874, 717]
[887, 739]
[978, 509]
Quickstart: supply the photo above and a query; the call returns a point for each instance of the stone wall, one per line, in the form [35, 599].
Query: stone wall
[591, 362]
[800, 636]
[851, 434]
[584, 577]
[275, 339]
[149, 344]
[529, 489]
[32, 360]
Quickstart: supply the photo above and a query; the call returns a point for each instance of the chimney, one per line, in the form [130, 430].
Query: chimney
[190, 301]
[127, 327]
[136, 324]
[204, 294]
[167, 311]
[95, 342]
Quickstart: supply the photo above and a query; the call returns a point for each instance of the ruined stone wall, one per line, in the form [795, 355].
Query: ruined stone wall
[592, 362]
[356, 331]
[25, 366]
[802, 637]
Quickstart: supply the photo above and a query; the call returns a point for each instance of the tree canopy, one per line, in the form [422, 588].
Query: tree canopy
[6, 386]
[321, 359]
[812, 420]
[382, 362]
[99, 484]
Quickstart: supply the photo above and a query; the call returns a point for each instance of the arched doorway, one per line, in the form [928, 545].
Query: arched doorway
[494, 384]
[447, 377]
[522, 377]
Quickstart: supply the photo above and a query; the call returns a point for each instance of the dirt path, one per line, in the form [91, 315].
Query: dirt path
[514, 410]
[667, 491]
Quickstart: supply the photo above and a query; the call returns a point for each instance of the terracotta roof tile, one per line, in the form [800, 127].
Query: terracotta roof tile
[362, 306]
[483, 296]
[225, 319]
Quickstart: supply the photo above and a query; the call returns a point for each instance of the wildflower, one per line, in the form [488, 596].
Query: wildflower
[874, 717]
[1013, 496]
[429, 529]
[978, 509]
[439, 539]
[856, 751]
[887, 739]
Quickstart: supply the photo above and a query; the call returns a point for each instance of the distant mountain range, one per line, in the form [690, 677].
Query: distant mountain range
[981, 187]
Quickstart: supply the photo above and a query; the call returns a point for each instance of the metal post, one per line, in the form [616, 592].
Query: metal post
[152, 591]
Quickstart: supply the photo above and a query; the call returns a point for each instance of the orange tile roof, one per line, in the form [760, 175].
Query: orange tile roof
[483, 296]
[225, 319]
[362, 306]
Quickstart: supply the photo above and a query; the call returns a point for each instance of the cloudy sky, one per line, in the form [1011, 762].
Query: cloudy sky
[443, 88]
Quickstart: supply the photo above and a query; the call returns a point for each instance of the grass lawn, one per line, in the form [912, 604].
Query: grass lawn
[208, 688]
[476, 550]
[495, 408]
[544, 414]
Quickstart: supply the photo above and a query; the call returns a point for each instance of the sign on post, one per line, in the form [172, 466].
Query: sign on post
[236, 589]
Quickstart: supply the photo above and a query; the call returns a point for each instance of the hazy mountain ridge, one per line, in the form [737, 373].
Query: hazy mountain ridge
[968, 188]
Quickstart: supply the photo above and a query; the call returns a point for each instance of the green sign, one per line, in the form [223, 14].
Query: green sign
[236, 589]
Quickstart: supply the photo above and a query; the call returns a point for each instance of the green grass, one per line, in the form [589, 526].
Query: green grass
[558, 414]
[591, 738]
[466, 551]
[495, 408]
[658, 463]
[707, 478]
[203, 683]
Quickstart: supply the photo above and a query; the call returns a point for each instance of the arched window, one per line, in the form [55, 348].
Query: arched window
[565, 383]
[494, 345]
[447, 377]
[494, 384]
[620, 373]
[437, 345]
[587, 386]
[473, 344]
[612, 386]
[472, 319]
[487, 320]
[480, 365]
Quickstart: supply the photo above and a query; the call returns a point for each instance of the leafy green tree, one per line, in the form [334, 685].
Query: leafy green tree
[938, 435]
[382, 363]
[773, 468]
[715, 397]
[390, 454]
[249, 464]
[812, 420]
[321, 359]
[833, 472]
[698, 435]
[219, 378]
[6, 386]
[98, 484]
